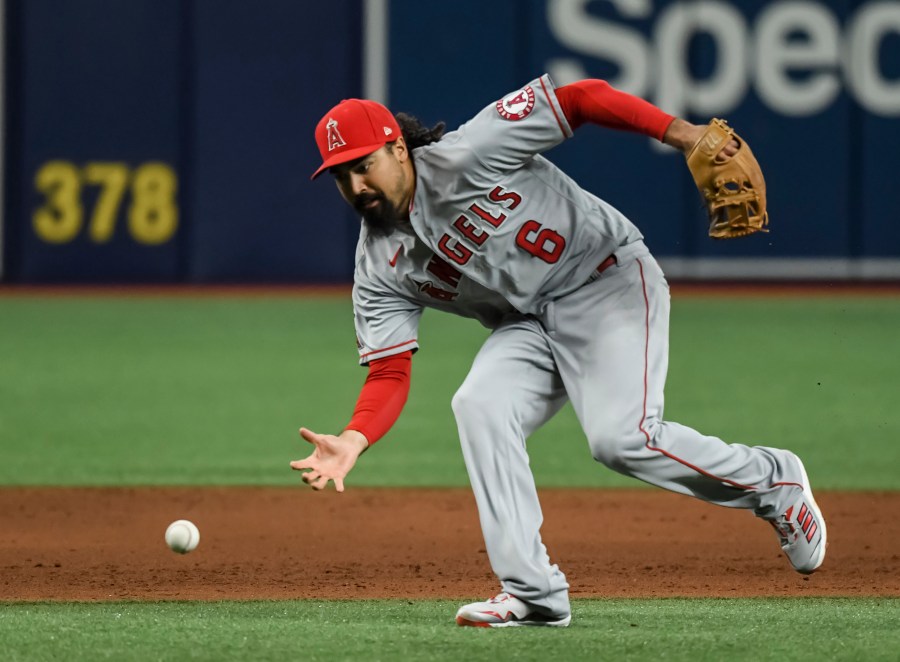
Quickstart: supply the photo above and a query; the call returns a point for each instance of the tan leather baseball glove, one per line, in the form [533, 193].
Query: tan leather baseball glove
[733, 187]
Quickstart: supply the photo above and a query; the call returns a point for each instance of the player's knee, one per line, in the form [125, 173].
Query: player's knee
[607, 451]
[473, 407]
[466, 404]
[618, 448]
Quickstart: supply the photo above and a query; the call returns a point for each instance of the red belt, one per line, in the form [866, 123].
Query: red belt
[606, 264]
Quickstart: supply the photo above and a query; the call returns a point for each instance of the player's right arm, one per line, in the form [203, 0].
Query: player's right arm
[386, 330]
[377, 409]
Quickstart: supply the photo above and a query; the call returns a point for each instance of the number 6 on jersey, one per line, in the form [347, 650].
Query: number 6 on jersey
[534, 239]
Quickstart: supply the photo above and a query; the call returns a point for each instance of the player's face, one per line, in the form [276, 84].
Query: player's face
[377, 186]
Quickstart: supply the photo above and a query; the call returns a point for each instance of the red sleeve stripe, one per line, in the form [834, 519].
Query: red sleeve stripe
[553, 108]
[385, 349]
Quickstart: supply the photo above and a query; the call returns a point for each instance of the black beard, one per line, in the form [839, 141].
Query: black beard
[380, 220]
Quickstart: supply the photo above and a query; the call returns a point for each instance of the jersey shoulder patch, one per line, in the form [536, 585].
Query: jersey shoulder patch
[517, 105]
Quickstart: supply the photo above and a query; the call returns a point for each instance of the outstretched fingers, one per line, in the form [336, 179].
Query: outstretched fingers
[310, 476]
[314, 477]
[310, 462]
[311, 436]
[325, 463]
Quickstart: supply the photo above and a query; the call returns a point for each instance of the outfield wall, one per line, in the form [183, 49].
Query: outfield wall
[172, 141]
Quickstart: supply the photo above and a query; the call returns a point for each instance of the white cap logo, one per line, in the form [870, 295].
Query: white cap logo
[388, 131]
[335, 139]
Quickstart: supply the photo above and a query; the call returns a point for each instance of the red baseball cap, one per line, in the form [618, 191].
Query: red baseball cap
[352, 129]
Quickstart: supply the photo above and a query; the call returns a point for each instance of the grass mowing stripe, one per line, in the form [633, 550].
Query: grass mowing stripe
[621, 629]
[211, 391]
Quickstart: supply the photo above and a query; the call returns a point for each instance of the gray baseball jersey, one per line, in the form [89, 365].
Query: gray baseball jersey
[495, 227]
[500, 234]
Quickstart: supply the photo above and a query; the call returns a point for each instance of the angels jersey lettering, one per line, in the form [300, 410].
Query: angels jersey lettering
[494, 228]
[489, 203]
[388, 300]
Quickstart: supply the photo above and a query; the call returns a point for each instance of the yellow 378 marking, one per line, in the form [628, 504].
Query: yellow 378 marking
[152, 211]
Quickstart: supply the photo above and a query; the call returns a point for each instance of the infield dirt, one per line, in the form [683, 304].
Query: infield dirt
[288, 543]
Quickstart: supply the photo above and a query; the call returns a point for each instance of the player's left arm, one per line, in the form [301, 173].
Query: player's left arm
[506, 135]
[722, 165]
[539, 116]
[598, 102]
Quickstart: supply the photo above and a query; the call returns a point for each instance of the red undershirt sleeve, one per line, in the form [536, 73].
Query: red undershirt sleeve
[596, 101]
[382, 397]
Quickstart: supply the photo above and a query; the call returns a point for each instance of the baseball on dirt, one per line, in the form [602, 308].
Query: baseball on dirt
[182, 536]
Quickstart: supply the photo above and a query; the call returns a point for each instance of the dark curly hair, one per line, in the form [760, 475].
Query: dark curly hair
[417, 134]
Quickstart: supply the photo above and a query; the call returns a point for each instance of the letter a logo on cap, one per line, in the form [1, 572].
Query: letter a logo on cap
[361, 123]
[335, 139]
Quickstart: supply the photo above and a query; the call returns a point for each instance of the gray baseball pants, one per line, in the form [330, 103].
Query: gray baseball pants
[604, 347]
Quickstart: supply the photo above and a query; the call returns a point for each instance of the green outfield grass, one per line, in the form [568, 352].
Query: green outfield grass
[119, 391]
[112, 391]
[671, 629]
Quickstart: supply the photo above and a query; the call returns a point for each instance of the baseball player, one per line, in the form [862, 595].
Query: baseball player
[478, 223]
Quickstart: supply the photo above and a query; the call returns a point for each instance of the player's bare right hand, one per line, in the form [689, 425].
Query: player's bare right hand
[332, 459]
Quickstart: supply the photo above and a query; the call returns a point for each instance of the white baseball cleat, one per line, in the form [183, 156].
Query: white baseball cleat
[505, 610]
[801, 530]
